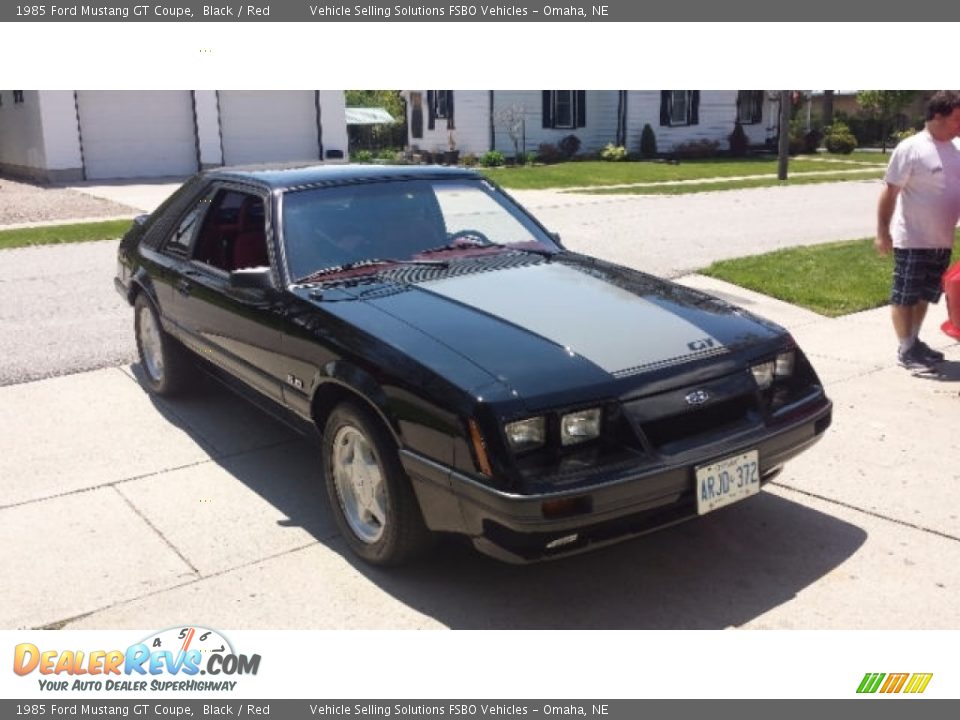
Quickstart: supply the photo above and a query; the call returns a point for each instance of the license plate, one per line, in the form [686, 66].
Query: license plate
[727, 481]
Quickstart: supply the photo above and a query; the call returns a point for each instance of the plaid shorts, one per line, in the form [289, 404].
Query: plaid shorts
[918, 275]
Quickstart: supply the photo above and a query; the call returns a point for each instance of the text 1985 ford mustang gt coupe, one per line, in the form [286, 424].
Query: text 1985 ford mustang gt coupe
[466, 373]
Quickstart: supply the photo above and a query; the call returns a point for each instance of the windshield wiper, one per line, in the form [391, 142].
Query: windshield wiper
[483, 245]
[371, 263]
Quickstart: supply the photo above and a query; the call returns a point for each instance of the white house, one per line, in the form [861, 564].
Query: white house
[476, 121]
[69, 135]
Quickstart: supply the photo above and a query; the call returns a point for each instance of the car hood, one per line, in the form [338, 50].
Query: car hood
[542, 326]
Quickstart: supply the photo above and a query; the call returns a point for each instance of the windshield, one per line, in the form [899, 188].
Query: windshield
[400, 220]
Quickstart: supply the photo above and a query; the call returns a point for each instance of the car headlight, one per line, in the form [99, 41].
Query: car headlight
[526, 434]
[780, 367]
[763, 373]
[783, 365]
[581, 426]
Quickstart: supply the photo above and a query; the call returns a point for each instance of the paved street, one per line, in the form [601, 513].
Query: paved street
[59, 313]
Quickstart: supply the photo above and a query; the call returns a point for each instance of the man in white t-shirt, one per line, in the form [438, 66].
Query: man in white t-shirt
[916, 217]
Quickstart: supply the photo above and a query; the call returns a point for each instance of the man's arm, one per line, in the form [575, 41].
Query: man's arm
[888, 202]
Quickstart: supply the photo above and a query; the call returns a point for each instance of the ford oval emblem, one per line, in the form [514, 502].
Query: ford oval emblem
[697, 397]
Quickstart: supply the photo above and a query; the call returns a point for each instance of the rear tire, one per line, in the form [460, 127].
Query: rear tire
[162, 359]
[371, 496]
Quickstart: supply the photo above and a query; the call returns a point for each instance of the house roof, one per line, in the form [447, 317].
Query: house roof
[368, 116]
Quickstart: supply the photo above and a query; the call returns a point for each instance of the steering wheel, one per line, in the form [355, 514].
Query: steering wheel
[468, 236]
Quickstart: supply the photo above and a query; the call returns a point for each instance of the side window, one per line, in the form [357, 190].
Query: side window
[179, 242]
[234, 232]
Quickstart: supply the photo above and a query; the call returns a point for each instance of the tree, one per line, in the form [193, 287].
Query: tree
[884, 105]
[827, 119]
[389, 100]
[511, 118]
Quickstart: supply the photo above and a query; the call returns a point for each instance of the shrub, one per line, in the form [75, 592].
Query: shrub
[469, 159]
[739, 143]
[839, 139]
[569, 146]
[362, 156]
[904, 134]
[525, 158]
[492, 158]
[547, 153]
[696, 149]
[812, 140]
[613, 153]
[648, 142]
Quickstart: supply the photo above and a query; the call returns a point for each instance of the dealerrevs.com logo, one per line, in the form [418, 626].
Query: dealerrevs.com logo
[909, 683]
[171, 659]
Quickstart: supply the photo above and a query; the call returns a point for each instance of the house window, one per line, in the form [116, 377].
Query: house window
[440, 107]
[749, 107]
[679, 107]
[17, 96]
[440, 103]
[564, 108]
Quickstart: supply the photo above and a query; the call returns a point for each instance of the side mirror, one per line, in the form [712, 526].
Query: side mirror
[555, 236]
[257, 278]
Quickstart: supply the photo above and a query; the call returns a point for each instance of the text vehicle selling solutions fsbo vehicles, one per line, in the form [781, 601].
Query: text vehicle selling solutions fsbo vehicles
[464, 371]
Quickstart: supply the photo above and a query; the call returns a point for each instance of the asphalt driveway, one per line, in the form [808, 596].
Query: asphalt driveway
[126, 511]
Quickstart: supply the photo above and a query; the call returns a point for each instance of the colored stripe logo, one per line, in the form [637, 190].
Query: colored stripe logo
[912, 683]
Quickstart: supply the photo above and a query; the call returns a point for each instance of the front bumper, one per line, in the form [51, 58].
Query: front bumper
[626, 504]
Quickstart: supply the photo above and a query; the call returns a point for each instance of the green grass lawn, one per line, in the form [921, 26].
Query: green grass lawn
[599, 173]
[54, 234]
[874, 158]
[717, 186]
[833, 279]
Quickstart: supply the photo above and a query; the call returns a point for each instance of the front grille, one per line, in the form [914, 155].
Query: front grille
[710, 420]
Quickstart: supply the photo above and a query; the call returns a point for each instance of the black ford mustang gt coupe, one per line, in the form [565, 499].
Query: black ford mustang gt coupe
[465, 372]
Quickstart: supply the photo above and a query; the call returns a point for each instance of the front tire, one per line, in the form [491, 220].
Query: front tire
[373, 502]
[165, 367]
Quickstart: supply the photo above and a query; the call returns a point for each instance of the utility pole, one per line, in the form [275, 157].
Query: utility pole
[783, 147]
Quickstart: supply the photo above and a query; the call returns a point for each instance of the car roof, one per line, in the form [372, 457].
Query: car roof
[288, 176]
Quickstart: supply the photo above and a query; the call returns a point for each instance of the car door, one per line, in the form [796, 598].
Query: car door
[237, 329]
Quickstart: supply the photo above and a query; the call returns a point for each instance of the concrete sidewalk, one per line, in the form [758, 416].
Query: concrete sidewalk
[124, 511]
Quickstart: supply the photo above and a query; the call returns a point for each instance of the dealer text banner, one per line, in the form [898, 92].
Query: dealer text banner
[326, 11]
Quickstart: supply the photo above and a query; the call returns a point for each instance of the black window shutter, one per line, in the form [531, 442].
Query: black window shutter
[547, 109]
[449, 109]
[581, 108]
[694, 107]
[664, 107]
[431, 110]
[416, 115]
[757, 106]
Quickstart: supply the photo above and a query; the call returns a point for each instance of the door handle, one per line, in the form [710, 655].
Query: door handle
[184, 287]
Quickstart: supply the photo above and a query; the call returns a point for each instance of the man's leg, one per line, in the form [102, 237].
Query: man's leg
[919, 312]
[903, 318]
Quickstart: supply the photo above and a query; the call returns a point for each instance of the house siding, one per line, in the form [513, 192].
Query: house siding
[471, 120]
[718, 113]
[33, 149]
[600, 128]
